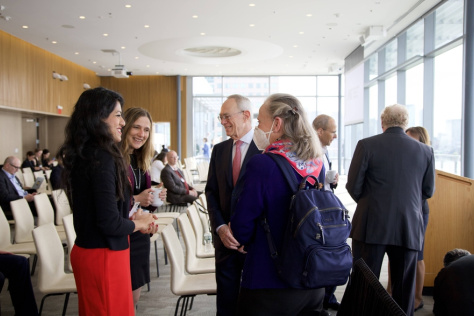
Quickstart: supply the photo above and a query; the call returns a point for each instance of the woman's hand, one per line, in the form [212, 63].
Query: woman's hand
[144, 221]
[145, 197]
[162, 194]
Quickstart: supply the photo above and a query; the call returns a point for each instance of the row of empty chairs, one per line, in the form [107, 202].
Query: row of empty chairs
[27, 178]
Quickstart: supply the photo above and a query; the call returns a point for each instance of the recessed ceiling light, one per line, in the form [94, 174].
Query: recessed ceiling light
[157, 72]
[105, 34]
[203, 34]
[195, 16]
[290, 56]
[309, 15]
[295, 46]
[252, 25]
[301, 33]
[94, 62]
[251, 4]
[76, 53]
[146, 26]
[54, 42]
[25, 26]
[136, 57]
[82, 17]
[128, 6]
[123, 47]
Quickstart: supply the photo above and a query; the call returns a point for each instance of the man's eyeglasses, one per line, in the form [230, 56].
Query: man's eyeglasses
[17, 168]
[227, 116]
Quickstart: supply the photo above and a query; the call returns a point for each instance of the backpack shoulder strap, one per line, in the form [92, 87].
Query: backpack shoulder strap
[287, 170]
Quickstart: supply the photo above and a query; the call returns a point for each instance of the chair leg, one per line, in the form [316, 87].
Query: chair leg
[35, 259]
[148, 286]
[156, 257]
[191, 305]
[66, 300]
[166, 257]
[44, 298]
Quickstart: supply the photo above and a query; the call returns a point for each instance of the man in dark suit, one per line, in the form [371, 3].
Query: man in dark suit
[453, 291]
[389, 176]
[178, 190]
[11, 188]
[222, 191]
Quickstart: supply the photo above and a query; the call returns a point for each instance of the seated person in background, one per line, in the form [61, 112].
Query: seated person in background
[179, 191]
[11, 188]
[30, 161]
[156, 166]
[17, 270]
[55, 177]
[453, 291]
[45, 160]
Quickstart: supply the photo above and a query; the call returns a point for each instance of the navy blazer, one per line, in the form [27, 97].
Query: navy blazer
[8, 193]
[389, 177]
[220, 192]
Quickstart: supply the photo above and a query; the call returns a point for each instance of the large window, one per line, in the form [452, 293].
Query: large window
[446, 136]
[414, 95]
[449, 22]
[317, 94]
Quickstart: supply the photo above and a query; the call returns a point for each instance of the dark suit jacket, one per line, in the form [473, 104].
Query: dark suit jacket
[220, 192]
[453, 291]
[389, 177]
[8, 193]
[176, 190]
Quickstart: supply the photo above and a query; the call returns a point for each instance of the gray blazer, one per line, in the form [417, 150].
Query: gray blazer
[389, 177]
[176, 190]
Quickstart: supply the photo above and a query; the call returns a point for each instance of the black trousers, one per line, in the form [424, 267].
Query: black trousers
[228, 274]
[402, 269]
[17, 270]
[280, 302]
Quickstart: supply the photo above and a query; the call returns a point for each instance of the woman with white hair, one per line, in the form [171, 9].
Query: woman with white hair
[283, 129]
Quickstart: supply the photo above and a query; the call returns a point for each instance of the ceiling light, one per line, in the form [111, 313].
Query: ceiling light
[147, 66]
[56, 75]
[54, 42]
[290, 56]
[136, 57]
[128, 6]
[76, 53]
[25, 26]
[63, 78]
[94, 62]
[252, 25]
[146, 26]
[195, 16]
[82, 17]
[295, 46]
[252, 5]
[86, 86]
[123, 47]
[301, 33]
[203, 34]
[309, 15]
[105, 34]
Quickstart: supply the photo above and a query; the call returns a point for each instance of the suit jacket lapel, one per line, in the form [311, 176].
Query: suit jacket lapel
[227, 161]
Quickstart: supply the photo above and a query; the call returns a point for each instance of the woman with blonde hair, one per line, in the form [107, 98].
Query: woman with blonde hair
[137, 149]
[283, 130]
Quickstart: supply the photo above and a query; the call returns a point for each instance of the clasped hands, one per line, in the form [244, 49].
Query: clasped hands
[227, 238]
[145, 222]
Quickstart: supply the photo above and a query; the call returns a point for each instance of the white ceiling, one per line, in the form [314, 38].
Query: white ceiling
[275, 37]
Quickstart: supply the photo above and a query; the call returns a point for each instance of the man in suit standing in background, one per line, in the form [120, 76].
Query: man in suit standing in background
[326, 129]
[228, 162]
[389, 176]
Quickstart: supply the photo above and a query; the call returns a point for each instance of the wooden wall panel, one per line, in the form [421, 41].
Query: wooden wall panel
[156, 94]
[450, 222]
[26, 80]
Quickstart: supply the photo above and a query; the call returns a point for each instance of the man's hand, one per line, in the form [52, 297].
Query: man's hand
[193, 192]
[30, 197]
[227, 238]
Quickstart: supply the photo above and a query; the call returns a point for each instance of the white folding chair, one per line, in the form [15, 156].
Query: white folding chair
[28, 177]
[193, 215]
[203, 170]
[24, 221]
[6, 244]
[185, 285]
[52, 279]
[20, 177]
[70, 236]
[61, 203]
[46, 213]
[194, 264]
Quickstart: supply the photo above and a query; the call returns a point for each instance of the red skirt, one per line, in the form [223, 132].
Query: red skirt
[103, 281]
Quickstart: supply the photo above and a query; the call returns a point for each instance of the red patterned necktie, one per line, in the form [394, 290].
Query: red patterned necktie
[236, 162]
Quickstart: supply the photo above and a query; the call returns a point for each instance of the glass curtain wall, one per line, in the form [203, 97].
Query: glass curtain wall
[443, 116]
[318, 95]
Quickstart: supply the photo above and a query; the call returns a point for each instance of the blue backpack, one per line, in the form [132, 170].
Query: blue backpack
[314, 252]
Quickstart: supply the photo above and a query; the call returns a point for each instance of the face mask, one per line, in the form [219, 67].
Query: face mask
[262, 139]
